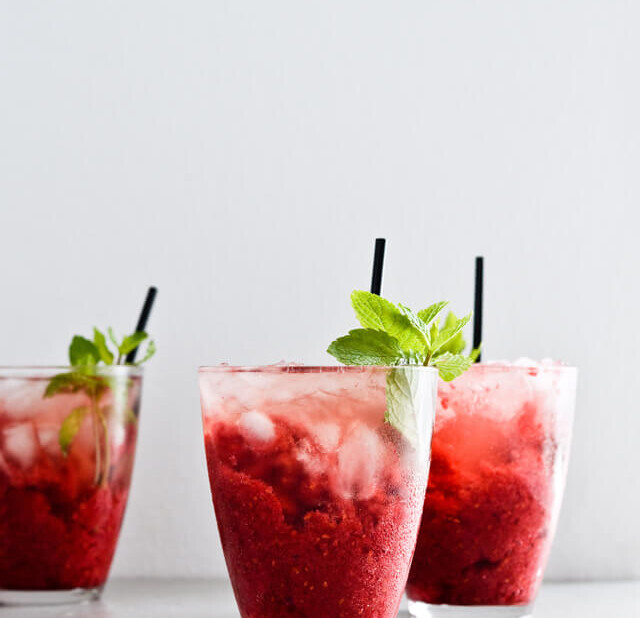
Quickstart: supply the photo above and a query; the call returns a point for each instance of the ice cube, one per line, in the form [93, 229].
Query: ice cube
[326, 436]
[524, 361]
[20, 444]
[210, 397]
[19, 398]
[358, 459]
[256, 427]
[48, 438]
[229, 392]
[307, 454]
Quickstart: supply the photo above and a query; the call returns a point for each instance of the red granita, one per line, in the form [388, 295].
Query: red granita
[317, 499]
[49, 543]
[499, 457]
[61, 508]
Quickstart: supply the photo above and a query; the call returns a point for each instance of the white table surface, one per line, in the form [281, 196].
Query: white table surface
[213, 599]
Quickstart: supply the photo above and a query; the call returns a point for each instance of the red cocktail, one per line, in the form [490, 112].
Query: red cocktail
[65, 466]
[317, 497]
[499, 460]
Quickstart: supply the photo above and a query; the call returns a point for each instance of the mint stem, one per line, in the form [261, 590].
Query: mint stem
[107, 454]
[97, 477]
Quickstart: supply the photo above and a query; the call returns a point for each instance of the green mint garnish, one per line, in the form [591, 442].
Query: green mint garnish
[450, 365]
[130, 343]
[380, 315]
[85, 357]
[70, 427]
[401, 399]
[365, 346]
[394, 335]
[100, 342]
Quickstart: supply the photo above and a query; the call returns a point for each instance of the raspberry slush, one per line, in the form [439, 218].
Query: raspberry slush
[499, 460]
[61, 508]
[317, 498]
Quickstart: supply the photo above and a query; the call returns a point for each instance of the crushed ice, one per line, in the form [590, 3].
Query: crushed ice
[20, 444]
[256, 427]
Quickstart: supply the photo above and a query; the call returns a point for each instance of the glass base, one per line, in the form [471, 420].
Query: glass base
[427, 610]
[48, 597]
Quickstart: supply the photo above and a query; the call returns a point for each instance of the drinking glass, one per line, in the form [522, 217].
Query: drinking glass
[67, 445]
[499, 461]
[318, 477]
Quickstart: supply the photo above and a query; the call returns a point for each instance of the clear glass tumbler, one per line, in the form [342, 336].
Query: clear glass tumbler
[499, 461]
[67, 445]
[318, 477]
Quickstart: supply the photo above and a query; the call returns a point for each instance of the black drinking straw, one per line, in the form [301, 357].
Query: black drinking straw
[143, 319]
[378, 262]
[477, 305]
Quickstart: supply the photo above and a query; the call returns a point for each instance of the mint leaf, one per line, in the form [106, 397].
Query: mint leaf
[63, 383]
[100, 342]
[131, 342]
[401, 391]
[70, 428]
[151, 350]
[377, 313]
[112, 337]
[456, 344]
[429, 314]
[416, 321]
[365, 346]
[417, 356]
[473, 355]
[450, 366]
[83, 352]
[447, 334]
[435, 329]
[73, 382]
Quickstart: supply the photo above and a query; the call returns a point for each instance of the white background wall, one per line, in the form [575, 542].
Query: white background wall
[243, 155]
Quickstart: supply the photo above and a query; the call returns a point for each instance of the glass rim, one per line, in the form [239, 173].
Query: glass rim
[46, 371]
[490, 366]
[307, 368]
[501, 366]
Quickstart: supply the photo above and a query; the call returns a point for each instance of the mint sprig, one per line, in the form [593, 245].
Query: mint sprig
[85, 356]
[394, 335]
[402, 397]
[366, 346]
[450, 366]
